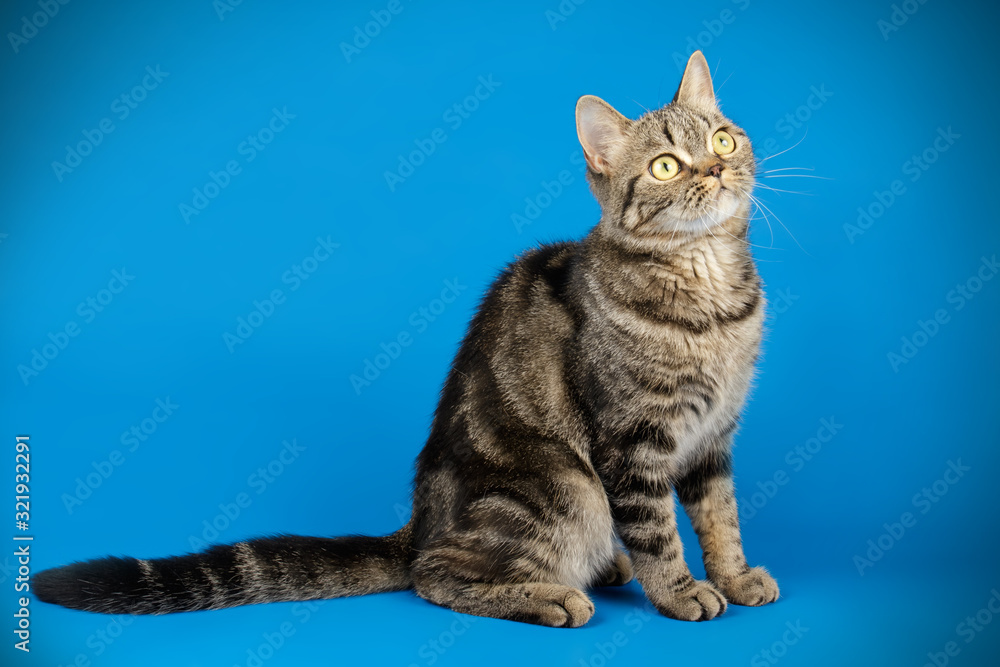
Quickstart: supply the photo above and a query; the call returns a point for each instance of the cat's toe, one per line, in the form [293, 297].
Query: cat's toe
[579, 609]
[560, 606]
[753, 588]
[700, 602]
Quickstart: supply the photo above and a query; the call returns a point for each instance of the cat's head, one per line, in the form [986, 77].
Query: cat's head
[680, 170]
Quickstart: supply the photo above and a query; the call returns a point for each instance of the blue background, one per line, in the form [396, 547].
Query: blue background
[848, 301]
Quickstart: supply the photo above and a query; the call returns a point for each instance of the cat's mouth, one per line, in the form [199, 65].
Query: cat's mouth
[715, 208]
[718, 208]
[721, 196]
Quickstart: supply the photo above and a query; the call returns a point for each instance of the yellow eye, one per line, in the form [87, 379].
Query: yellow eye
[664, 167]
[723, 143]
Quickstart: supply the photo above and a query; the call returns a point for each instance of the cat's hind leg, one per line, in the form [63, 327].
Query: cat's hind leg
[499, 576]
[554, 605]
[520, 556]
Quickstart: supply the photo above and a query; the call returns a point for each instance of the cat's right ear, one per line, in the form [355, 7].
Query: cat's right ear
[601, 130]
[696, 85]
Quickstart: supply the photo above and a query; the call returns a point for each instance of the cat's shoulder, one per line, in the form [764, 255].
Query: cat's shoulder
[545, 258]
[547, 266]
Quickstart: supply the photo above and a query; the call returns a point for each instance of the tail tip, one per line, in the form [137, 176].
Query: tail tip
[80, 585]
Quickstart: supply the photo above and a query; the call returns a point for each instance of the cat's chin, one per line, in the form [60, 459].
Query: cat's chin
[723, 208]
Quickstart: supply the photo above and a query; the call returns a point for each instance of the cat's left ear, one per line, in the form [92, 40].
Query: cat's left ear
[601, 130]
[696, 85]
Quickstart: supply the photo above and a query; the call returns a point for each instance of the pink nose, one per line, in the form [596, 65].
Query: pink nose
[715, 170]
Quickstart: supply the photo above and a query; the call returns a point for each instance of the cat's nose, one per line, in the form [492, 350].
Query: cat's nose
[715, 170]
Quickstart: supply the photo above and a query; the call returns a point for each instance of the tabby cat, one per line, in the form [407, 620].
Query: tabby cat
[597, 380]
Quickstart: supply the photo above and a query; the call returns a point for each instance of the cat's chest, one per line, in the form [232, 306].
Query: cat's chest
[673, 345]
[681, 387]
[683, 373]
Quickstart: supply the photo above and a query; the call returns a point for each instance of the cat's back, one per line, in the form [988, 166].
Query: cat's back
[530, 306]
[538, 286]
[506, 415]
[511, 368]
[523, 334]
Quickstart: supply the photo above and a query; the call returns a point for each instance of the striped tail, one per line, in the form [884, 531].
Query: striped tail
[284, 568]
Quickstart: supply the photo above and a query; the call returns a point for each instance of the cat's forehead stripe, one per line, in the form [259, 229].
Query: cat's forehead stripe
[703, 119]
[666, 132]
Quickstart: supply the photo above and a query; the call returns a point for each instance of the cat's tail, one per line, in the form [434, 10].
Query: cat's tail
[271, 569]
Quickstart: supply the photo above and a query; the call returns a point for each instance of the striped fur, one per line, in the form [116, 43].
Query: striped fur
[599, 382]
[273, 569]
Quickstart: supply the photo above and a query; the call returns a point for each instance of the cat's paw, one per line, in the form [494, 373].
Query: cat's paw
[699, 602]
[559, 606]
[753, 588]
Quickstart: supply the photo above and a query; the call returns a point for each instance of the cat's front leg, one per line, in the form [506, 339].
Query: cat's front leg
[709, 499]
[644, 516]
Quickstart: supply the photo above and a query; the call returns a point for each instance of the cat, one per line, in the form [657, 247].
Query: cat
[597, 381]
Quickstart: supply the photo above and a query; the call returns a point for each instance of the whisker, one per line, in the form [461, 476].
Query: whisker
[723, 83]
[713, 209]
[822, 178]
[640, 106]
[754, 245]
[760, 209]
[771, 171]
[746, 241]
[745, 255]
[770, 229]
[791, 192]
[753, 200]
[760, 203]
[786, 150]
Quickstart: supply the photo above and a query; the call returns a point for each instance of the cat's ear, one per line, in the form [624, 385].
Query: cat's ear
[601, 130]
[696, 86]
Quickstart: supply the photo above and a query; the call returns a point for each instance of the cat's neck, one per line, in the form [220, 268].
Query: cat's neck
[699, 279]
